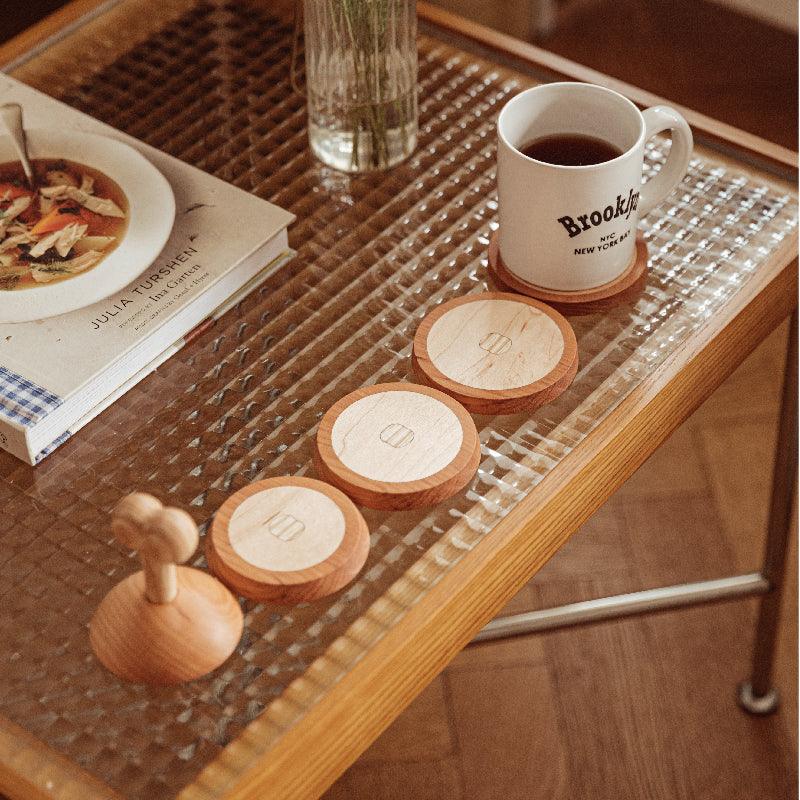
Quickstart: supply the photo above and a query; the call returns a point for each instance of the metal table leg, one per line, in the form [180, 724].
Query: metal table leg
[758, 696]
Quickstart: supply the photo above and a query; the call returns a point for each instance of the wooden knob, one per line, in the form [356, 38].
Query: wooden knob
[163, 536]
[167, 623]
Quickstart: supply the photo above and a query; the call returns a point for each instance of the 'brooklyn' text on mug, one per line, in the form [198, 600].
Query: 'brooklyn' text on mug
[594, 218]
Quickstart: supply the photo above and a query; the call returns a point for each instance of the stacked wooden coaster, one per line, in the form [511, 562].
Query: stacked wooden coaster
[397, 445]
[287, 540]
[623, 289]
[496, 352]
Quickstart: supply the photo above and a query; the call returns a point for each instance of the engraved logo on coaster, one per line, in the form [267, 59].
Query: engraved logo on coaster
[284, 526]
[397, 435]
[531, 346]
[412, 453]
[495, 343]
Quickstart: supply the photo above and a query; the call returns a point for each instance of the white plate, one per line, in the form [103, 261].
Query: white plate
[151, 208]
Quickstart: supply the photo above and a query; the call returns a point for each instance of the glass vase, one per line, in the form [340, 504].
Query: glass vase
[361, 81]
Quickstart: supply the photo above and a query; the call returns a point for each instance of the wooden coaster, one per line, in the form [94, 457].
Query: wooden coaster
[397, 445]
[624, 289]
[496, 352]
[287, 540]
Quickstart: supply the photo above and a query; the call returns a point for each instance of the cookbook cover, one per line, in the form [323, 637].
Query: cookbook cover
[55, 370]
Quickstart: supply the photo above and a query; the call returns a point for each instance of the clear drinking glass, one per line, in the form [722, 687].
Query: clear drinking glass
[361, 81]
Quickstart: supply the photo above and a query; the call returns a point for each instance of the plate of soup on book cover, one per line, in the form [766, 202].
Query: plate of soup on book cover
[98, 214]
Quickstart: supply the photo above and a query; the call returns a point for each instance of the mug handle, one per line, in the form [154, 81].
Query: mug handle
[656, 120]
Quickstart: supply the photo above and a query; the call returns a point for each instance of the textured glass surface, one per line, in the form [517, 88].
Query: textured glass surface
[208, 82]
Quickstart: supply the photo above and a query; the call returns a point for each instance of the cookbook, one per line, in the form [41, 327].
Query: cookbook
[58, 372]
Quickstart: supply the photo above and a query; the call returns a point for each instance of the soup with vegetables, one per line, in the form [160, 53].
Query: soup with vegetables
[73, 219]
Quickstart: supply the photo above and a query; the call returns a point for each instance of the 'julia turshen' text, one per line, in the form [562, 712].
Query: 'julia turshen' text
[156, 286]
[584, 222]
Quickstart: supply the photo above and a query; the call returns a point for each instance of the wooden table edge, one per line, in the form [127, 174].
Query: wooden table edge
[245, 769]
[33, 770]
[52, 25]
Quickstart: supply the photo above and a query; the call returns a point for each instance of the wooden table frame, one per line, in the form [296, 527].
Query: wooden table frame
[358, 708]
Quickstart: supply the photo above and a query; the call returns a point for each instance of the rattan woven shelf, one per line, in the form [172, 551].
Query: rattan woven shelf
[208, 82]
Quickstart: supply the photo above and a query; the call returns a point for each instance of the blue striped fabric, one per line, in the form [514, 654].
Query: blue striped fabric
[49, 449]
[23, 401]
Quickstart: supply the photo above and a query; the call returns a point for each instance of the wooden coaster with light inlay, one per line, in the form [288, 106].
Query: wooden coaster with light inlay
[397, 445]
[287, 540]
[496, 352]
[624, 289]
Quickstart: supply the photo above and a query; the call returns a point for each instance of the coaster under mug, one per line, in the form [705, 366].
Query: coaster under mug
[496, 352]
[624, 289]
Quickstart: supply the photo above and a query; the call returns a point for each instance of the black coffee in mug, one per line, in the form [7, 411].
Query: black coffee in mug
[570, 150]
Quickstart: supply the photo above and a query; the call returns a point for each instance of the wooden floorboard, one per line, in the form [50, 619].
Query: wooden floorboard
[608, 682]
[516, 707]
[703, 55]
[700, 54]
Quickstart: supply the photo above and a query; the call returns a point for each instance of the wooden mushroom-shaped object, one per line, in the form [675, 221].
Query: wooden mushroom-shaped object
[165, 624]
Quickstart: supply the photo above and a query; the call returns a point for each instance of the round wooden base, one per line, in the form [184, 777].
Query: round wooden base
[287, 540]
[624, 289]
[166, 643]
[397, 445]
[496, 352]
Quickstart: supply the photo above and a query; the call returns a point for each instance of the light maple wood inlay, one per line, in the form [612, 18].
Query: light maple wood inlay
[495, 344]
[397, 436]
[397, 445]
[496, 353]
[287, 528]
[287, 540]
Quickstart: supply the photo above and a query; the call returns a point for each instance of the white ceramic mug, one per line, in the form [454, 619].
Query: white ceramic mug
[574, 227]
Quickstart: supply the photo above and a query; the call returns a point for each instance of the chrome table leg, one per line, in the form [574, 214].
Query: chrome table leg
[647, 601]
[758, 695]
